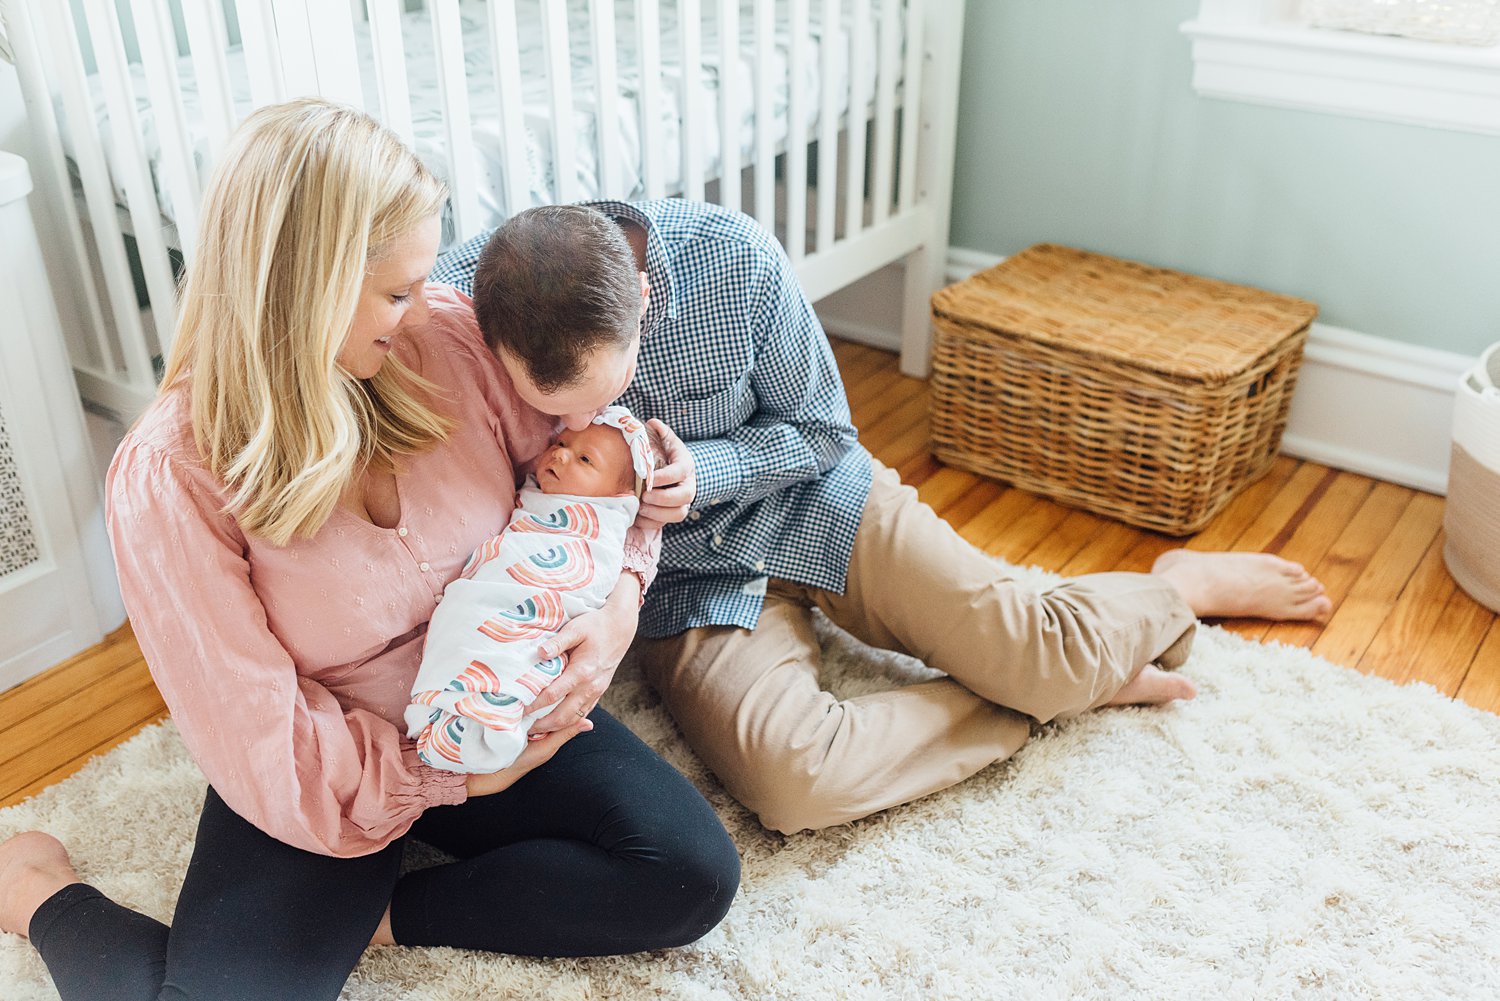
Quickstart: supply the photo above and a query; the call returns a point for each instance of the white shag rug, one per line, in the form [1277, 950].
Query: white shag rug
[1298, 831]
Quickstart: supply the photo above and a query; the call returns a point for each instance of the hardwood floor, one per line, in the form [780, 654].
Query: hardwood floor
[1377, 548]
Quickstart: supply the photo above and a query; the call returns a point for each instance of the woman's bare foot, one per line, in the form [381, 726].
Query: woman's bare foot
[33, 866]
[1244, 585]
[1153, 687]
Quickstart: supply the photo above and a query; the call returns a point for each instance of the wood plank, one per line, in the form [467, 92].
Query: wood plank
[73, 729]
[118, 652]
[1106, 551]
[1071, 535]
[945, 487]
[1230, 524]
[1481, 686]
[895, 422]
[979, 496]
[1022, 535]
[1348, 558]
[997, 517]
[1337, 500]
[1433, 616]
[63, 770]
[1354, 625]
[882, 393]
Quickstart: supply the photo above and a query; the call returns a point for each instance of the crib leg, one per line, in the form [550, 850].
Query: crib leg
[924, 276]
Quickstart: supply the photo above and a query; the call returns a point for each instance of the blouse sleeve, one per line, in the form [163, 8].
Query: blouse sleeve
[278, 748]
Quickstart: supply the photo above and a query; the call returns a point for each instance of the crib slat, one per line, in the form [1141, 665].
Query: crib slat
[207, 41]
[336, 60]
[860, 41]
[797, 133]
[690, 25]
[130, 163]
[730, 103]
[828, 126]
[317, 50]
[99, 196]
[885, 108]
[299, 70]
[611, 172]
[765, 114]
[560, 101]
[179, 175]
[262, 53]
[390, 66]
[25, 37]
[505, 55]
[648, 49]
[911, 103]
[447, 29]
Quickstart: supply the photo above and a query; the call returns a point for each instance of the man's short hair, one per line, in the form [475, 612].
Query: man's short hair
[553, 284]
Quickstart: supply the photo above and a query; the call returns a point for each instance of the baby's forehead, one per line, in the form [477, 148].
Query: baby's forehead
[600, 436]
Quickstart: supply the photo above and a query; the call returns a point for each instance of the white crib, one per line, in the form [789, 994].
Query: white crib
[839, 116]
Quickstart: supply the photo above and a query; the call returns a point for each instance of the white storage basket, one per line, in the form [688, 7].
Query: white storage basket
[1472, 518]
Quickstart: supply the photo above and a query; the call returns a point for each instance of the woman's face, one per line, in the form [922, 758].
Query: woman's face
[607, 375]
[390, 300]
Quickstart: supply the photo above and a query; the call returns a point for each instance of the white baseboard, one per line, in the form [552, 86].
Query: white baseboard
[1365, 404]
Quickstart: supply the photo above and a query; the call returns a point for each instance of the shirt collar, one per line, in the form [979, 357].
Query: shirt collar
[663, 299]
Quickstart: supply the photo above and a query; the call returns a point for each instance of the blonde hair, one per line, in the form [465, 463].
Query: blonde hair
[308, 195]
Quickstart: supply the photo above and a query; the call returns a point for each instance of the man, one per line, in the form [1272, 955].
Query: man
[691, 314]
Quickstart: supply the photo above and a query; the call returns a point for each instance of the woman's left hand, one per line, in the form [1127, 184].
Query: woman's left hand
[594, 643]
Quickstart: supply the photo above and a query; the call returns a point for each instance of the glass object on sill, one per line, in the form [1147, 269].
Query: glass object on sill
[1465, 22]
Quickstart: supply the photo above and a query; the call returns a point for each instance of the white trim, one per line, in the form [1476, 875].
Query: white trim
[1265, 59]
[1365, 404]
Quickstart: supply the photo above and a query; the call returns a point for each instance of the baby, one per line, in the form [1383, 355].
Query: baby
[559, 556]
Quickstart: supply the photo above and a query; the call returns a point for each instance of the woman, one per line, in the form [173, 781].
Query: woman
[331, 441]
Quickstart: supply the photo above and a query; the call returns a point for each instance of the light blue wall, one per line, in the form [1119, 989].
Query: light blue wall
[1078, 124]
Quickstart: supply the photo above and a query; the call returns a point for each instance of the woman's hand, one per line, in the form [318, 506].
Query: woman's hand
[535, 754]
[674, 484]
[594, 643]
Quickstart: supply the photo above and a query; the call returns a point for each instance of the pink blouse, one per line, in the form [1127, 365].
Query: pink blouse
[287, 668]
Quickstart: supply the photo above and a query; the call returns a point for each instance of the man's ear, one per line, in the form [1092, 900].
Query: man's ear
[645, 293]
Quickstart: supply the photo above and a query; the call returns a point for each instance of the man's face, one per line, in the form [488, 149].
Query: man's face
[607, 373]
[594, 462]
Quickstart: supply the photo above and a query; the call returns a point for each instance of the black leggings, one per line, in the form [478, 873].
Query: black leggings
[603, 850]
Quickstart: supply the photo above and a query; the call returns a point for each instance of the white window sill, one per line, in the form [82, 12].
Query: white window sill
[1290, 65]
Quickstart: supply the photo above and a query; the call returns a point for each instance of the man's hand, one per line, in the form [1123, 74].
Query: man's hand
[593, 644]
[535, 754]
[674, 484]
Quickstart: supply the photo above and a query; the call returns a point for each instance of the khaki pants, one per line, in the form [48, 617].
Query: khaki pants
[750, 704]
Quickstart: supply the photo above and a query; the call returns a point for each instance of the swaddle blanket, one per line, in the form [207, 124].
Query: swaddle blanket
[559, 556]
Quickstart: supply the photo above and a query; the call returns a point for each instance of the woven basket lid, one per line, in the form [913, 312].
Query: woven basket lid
[1176, 324]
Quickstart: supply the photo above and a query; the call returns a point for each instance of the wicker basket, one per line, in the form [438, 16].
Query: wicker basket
[1148, 395]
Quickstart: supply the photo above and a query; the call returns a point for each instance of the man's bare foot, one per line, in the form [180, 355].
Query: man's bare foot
[33, 866]
[1244, 585]
[1153, 687]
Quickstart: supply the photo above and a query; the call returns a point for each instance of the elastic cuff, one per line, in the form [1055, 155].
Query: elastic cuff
[56, 906]
[442, 788]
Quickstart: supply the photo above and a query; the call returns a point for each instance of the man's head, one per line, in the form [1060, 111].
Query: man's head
[559, 297]
[594, 462]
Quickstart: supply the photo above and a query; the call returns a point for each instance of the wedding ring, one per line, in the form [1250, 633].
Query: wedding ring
[582, 712]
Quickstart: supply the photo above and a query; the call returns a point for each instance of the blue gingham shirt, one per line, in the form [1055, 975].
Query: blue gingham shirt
[734, 360]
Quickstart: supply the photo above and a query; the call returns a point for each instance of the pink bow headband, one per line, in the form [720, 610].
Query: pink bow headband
[642, 456]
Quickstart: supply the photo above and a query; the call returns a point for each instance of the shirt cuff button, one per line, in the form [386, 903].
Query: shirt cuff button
[424, 567]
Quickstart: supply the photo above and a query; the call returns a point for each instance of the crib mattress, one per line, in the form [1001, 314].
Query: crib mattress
[489, 144]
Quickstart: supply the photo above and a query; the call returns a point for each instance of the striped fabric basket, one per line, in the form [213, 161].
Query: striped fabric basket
[1471, 519]
[1140, 393]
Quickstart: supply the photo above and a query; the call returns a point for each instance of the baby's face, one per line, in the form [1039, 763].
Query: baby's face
[594, 462]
